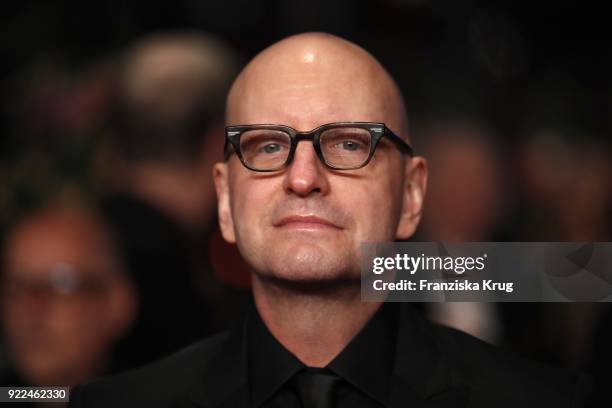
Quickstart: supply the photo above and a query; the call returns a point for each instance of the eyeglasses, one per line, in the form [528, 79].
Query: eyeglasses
[63, 280]
[340, 146]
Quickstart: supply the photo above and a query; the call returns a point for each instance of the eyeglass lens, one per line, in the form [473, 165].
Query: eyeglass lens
[343, 147]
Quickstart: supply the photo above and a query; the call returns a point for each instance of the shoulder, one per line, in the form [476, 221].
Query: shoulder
[493, 374]
[154, 385]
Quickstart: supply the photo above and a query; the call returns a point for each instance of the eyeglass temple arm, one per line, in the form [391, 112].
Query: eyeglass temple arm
[401, 143]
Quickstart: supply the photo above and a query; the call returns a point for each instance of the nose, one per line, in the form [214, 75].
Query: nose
[306, 174]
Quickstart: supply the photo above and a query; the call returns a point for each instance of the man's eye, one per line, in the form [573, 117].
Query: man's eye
[350, 145]
[270, 148]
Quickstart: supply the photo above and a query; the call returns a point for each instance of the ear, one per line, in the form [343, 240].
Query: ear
[226, 222]
[413, 196]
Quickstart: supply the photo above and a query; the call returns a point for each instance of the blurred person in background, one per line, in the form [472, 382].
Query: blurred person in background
[467, 200]
[473, 196]
[66, 298]
[170, 93]
[166, 135]
[566, 186]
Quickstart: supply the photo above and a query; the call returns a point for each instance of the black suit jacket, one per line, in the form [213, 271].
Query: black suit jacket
[435, 367]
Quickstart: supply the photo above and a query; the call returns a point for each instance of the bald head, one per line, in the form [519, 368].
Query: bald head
[310, 79]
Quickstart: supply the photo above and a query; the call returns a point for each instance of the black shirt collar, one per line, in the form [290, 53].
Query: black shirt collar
[270, 365]
[366, 362]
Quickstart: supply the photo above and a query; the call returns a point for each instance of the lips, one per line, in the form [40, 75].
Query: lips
[305, 221]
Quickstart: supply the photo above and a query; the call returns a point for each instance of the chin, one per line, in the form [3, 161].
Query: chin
[310, 264]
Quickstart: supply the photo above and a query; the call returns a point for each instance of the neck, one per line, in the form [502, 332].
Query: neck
[315, 327]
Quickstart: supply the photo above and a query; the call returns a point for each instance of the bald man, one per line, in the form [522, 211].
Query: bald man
[318, 161]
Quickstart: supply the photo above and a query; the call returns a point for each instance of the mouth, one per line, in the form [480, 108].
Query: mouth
[305, 222]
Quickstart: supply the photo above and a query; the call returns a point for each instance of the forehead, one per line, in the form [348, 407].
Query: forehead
[309, 93]
[37, 246]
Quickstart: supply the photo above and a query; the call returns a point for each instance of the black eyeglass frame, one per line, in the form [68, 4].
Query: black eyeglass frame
[377, 131]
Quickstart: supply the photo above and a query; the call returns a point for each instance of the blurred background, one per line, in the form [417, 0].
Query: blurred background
[111, 118]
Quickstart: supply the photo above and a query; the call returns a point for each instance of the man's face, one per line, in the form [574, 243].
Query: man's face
[306, 222]
[58, 295]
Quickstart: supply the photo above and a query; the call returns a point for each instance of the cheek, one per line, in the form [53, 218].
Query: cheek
[73, 319]
[377, 213]
[19, 332]
[250, 201]
[86, 330]
[380, 202]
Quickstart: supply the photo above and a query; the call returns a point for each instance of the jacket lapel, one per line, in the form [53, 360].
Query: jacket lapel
[402, 395]
[422, 374]
[223, 381]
